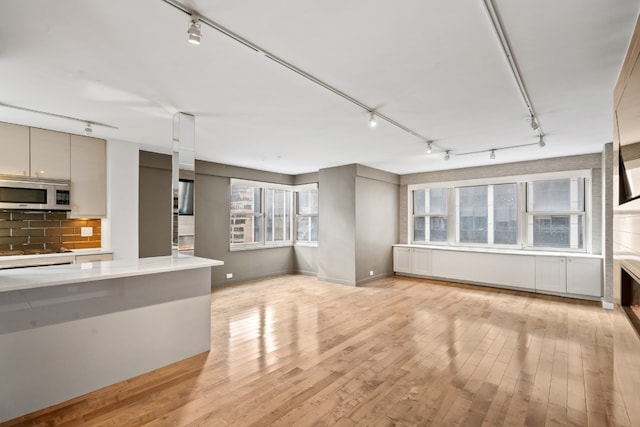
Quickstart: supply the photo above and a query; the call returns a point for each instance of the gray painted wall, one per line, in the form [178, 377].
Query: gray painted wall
[376, 228]
[336, 234]
[358, 223]
[212, 226]
[154, 204]
[305, 260]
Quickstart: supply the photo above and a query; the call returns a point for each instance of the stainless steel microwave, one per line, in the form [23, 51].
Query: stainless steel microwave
[34, 193]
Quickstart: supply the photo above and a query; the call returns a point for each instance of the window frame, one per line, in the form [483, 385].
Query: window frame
[531, 214]
[297, 214]
[427, 216]
[490, 217]
[521, 182]
[262, 243]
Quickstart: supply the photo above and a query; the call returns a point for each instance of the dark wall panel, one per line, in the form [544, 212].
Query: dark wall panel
[154, 205]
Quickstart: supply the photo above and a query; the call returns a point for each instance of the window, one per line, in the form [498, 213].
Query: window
[505, 214]
[556, 213]
[307, 214]
[430, 210]
[260, 214]
[472, 215]
[542, 211]
[278, 215]
[488, 214]
[246, 214]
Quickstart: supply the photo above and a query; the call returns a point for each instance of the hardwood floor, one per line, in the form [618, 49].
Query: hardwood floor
[296, 351]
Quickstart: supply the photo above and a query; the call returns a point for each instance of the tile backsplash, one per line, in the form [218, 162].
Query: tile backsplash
[32, 231]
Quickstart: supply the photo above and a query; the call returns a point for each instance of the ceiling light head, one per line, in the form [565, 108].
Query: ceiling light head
[541, 142]
[87, 129]
[446, 155]
[492, 156]
[194, 30]
[533, 122]
[429, 146]
[372, 119]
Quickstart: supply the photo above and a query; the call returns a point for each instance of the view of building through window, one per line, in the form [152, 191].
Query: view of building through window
[261, 214]
[552, 214]
[245, 213]
[277, 209]
[430, 207]
[555, 213]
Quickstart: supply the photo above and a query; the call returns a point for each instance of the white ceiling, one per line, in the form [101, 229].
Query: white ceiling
[435, 66]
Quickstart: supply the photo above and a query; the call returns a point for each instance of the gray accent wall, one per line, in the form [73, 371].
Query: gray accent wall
[212, 193]
[337, 216]
[154, 204]
[358, 223]
[376, 228]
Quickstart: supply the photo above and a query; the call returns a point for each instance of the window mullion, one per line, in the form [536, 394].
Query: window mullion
[490, 215]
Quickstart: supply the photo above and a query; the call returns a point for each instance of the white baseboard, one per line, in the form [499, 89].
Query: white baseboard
[607, 305]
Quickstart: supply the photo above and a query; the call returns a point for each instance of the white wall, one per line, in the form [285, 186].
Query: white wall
[120, 227]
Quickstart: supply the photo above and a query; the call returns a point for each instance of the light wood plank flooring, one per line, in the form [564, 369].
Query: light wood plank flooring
[293, 350]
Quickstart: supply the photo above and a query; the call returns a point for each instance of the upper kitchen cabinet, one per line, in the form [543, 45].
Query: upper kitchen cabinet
[88, 177]
[50, 154]
[14, 145]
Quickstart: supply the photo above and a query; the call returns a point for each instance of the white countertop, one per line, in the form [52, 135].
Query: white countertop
[501, 250]
[55, 275]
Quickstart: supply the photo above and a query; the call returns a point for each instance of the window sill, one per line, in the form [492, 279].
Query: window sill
[306, 244]
[259, 246]
[513, 251]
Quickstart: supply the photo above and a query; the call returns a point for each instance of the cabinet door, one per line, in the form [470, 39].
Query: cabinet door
[402, 260]
[88, 177]
[50, 154]
[421, 261]
[551, 274]
[584, 276]
[14, 146]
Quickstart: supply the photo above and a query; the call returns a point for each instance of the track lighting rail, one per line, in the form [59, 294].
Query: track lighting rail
[295, 69]
[373, 113]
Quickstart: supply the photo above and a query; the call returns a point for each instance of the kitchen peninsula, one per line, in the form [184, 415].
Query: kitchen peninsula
[66, 330]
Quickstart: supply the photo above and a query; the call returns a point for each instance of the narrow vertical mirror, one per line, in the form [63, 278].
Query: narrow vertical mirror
[183, 182]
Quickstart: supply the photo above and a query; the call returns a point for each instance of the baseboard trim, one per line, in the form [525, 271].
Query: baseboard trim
[607, 305]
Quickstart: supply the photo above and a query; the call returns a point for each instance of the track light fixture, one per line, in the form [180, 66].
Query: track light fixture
[534, 123]
[87, 129]
[372, 119]
[429, 147]
[542, 143]
[194, 29]
[446, 155]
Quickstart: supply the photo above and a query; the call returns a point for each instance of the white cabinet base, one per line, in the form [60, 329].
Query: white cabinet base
[584, 276]
[551, 274]
[573, 276]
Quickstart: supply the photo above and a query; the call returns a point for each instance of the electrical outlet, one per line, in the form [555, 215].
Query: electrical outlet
[86, 231]
[371, 273]
[229, 275]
